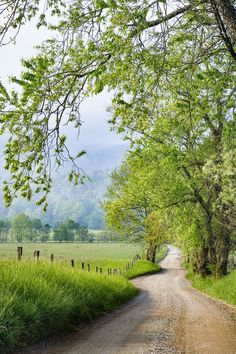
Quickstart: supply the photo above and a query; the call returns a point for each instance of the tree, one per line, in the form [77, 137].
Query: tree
[187, 133]
[102, 44]
[36, 229]
[16, 13]
[83, 234]
[173, 71]
[4, 230]
[21, 225]
[65, 232]
[73, 228]
[46, 231]
[130, 207]
[156, 233]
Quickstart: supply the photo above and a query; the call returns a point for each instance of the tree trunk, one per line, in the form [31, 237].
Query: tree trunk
[201, 264]
[223, 247]
[210, 238]
[151, 253]
[225, 14]
[228, 14]
[148, 255]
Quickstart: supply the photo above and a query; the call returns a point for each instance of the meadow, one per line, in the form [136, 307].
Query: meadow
[39, 298]
[81, 251]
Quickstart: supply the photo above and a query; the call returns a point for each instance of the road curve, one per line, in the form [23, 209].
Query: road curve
[168, 317]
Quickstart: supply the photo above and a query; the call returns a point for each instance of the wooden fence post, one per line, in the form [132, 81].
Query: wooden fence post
[96, 269]
[52, 258]
[82, 265]
[72, 263]
[88, 267]
[19, 252]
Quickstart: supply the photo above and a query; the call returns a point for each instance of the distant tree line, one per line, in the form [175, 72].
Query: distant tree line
[64, 206]
[23, 228]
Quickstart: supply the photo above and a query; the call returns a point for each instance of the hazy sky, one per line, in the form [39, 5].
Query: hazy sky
[95, 130]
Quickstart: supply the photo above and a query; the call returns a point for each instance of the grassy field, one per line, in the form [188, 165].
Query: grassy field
[77, 251]
[101, 255]
[40, 298]
[223, 288]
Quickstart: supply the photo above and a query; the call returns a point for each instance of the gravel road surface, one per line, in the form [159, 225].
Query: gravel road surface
[168, 317]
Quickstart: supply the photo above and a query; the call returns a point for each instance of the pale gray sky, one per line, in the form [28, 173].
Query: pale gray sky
[95, 130]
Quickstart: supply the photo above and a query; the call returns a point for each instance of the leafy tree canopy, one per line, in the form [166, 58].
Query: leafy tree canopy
[130, 206]
[171, 66]
[127, 46]
[186, 142]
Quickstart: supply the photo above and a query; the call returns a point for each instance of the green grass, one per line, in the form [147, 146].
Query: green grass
[162, 253]
[38, 299]
[223, 288]
[101, 255]
[77, 251]
[141, 268]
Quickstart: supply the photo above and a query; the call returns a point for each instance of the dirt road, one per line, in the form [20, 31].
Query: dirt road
[168, 317]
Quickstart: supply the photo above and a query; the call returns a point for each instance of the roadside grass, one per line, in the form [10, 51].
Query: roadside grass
[38, 299]
[142, 268]
[222, 288]
[162, 253]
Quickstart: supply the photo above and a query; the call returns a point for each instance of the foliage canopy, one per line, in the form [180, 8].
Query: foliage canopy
[171, 66]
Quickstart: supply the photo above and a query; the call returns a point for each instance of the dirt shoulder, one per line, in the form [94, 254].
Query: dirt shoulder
[168, 317]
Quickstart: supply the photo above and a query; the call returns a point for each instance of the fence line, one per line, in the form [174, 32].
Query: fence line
[110, 271]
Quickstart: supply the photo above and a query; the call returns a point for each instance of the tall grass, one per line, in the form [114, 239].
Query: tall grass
[223, 288]
[37, 299]
[40, 298]
[141, 268]
[161, 253]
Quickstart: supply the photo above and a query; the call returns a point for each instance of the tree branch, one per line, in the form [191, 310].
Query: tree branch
[168, 17]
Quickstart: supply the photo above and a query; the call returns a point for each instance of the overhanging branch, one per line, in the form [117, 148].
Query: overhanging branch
[168, 17]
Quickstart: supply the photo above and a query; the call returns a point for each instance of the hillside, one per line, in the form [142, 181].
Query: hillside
[80, 203]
